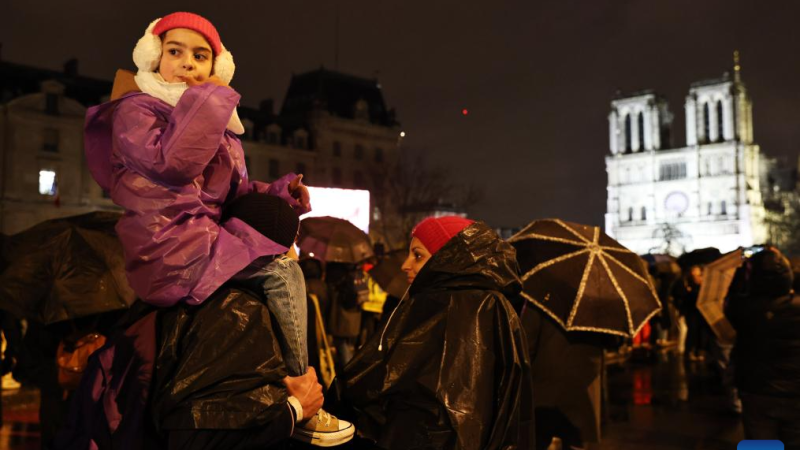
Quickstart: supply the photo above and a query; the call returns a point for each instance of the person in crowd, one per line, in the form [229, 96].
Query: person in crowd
[347, 290]
[698, 331]
[765, 312]
[11, 328]
[280, 279]
[223, 374]
[566, 370]
[449, 369]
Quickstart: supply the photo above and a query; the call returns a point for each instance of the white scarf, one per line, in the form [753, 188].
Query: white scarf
[152, 83]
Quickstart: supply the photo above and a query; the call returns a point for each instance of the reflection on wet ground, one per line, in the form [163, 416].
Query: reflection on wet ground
[20, 420]
[661, 404]
[667, 403]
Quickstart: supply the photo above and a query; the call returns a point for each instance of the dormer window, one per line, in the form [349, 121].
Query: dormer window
[274, 134]
[361, 110]
[51, 104]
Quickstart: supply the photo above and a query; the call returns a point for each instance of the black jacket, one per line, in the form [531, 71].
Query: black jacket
[218, 375]
[767, 350]
[450, 370]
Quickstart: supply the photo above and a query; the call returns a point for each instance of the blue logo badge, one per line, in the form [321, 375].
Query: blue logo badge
[760, 445]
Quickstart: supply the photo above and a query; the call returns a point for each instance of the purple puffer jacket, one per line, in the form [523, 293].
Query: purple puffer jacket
[172, 169]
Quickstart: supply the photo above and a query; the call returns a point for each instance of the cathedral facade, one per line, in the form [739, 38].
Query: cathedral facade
[705, 194]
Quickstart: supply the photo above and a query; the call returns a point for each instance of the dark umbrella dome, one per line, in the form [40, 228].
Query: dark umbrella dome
[331, 239]
[65, 268]
[699, 257]
[583, 279]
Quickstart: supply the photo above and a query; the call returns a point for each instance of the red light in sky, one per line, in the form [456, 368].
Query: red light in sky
[465, 112]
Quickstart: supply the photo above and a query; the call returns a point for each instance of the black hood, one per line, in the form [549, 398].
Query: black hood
[476, 258]
[771, 274]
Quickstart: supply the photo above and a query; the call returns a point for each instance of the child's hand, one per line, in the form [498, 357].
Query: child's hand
[299, 191]
[213, 79]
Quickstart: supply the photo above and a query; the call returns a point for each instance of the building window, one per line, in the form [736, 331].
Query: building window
[710, 208]
[299, 142]
[720, 127]
[641, 131]
[51, 104]
[274, 169]
[706, 124]
[337, 149]
[630, 214]
[672, 171]
[723, 208]
[644, 213]
[378, 155]
[359, 152]
[628, 131]
[50, 140]
[48, 185]
[272, 137]
[358, 180]
[336, 176]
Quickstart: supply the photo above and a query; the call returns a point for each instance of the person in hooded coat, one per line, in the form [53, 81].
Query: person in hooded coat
[450, 369]
[765, 312]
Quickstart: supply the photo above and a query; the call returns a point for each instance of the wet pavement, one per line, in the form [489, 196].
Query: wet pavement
[662, 403]
[665, 403]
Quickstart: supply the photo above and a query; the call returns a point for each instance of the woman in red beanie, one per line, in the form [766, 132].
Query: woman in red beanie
[450, 368]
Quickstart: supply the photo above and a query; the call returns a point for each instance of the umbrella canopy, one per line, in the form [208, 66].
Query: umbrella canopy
[583, 279]
[389, 275]
[699, 257]
[65, 268]
[717, 278]
[330, 239]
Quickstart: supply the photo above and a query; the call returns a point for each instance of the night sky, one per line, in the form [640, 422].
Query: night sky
[536, 76]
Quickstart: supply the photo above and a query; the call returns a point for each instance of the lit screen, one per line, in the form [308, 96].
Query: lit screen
[348, 204]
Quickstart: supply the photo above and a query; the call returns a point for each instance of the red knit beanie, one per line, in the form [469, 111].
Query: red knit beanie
[434, 232]
[193, 22]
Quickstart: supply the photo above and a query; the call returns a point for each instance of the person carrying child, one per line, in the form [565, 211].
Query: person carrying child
[280, 280]
[165, 149]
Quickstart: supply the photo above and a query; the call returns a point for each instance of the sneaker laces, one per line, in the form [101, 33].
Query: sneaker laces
[324, 415]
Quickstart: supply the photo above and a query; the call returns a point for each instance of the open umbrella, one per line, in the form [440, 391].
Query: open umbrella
[65, 268]
[583, 279]
[389, 275]
[717, 278]
[330, 239]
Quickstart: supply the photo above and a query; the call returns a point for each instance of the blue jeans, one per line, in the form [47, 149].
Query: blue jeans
[284, 288]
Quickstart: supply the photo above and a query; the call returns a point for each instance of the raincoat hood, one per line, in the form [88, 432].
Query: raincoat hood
[476, 258]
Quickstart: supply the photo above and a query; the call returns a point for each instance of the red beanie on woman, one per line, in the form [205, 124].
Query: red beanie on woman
[434, 232]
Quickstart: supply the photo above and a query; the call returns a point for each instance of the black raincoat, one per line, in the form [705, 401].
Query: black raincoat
[450, 370]
[218, 375]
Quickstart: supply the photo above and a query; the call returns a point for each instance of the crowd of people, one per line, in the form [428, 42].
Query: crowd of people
[226, 349]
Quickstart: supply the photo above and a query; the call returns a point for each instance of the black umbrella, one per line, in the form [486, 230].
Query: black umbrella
[699, 257]
[583, 279]
[65, 268]
[333, 240]
[389, 275]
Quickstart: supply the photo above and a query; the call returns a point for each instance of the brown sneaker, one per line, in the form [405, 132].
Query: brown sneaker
[324, 430]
